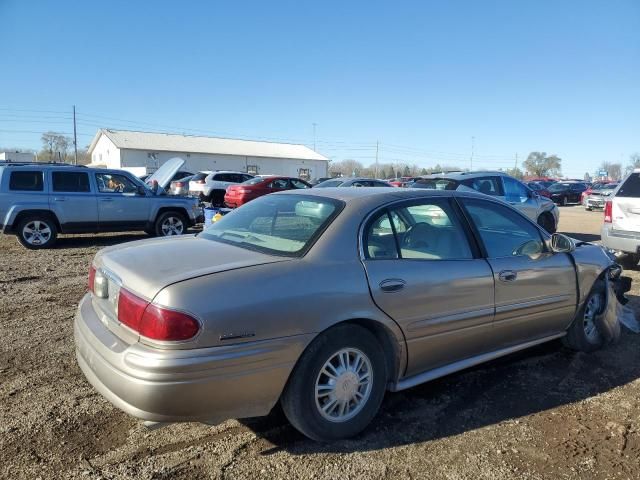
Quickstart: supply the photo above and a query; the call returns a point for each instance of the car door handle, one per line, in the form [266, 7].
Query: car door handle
[392, 284]
[507, 276]
[106, 199]
[58, 199]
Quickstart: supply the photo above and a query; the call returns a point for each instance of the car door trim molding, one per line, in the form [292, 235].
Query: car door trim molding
[429, 375]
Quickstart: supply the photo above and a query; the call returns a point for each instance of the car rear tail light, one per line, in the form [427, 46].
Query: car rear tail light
[200, 182]
[241, 190]
[92, 277]
[179, 184]
[608, 211]
[153, 321]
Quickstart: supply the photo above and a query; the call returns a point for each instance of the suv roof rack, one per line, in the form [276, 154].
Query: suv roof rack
[473, 172]
[5, 163]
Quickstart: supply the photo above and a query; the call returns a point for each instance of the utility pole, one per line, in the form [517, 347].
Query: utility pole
[75, 137]
[377, 148]
[314, 136]
[473, 147]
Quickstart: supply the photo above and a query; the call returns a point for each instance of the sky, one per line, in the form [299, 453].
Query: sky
[425, 80]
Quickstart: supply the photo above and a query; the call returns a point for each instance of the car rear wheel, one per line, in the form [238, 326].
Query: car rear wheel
[338, 384]
[37, 232]
[583, 334]
[170, 223]
[547, 222]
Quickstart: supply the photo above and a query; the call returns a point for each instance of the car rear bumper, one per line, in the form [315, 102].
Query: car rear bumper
[202, 384]
[620, 240]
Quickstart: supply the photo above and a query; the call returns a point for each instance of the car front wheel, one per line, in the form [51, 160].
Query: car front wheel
[37, 232]
[170, 223]
[338, 384]
[583, 334]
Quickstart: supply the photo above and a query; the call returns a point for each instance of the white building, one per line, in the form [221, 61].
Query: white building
[144, 152]
[17, 157]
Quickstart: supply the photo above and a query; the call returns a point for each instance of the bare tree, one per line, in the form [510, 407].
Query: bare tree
[55, 146]
[614, 170]
[541, 165]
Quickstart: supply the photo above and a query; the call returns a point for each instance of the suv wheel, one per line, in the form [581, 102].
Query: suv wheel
[170, 223]
[583, 334]
[338, 384]
[38, 231]
[216, 198]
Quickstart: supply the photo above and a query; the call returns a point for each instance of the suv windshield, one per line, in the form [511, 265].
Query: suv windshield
[276, 224]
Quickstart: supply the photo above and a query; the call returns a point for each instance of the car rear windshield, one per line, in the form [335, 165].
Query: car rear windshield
[558, 187]
[199, 176]
[285, 225]
[630, 187]
[330, 183]
[254, 181]
[435, 183]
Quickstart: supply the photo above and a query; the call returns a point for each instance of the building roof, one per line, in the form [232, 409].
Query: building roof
[169, 142]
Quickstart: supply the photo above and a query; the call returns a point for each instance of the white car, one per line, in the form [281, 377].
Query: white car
[621, 226]
[211, 186]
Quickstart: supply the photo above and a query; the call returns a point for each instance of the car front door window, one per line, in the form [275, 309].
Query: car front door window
[113, 183]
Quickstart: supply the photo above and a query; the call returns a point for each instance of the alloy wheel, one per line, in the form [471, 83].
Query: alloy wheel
[36, 233]
[592, 309]
[343, 385]
[172, 226]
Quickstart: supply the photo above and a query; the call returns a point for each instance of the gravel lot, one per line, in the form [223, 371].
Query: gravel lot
[546, 413]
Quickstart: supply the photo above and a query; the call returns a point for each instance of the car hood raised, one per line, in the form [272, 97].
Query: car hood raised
[147, 266]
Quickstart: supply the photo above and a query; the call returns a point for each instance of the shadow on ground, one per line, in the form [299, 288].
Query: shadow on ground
[519, 385]
[97, 240]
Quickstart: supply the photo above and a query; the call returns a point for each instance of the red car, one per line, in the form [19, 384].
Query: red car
[237, 195]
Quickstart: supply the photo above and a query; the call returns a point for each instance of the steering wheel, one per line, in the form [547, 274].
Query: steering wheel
[416, 234]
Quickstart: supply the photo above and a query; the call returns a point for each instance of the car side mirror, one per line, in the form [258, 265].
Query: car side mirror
[562, 244]
[141, 190]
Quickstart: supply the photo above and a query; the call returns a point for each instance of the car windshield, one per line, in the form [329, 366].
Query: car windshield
[558, 187]
[276, 224]
[330, 183]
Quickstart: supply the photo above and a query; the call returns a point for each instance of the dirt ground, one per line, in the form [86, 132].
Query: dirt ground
[543, 414]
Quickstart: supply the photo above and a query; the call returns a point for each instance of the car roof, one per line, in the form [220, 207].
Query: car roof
[377, 195]
[464, 175]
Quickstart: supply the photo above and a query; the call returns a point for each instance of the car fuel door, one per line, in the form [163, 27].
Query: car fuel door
[423, 273]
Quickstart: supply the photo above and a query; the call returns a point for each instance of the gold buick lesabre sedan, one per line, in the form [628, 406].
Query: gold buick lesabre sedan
[324, 299]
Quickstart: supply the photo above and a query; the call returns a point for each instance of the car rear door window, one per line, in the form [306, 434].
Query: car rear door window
[429, 230]
[630, 187]
[486, 185]
[503, 231]
[30, 181]
[279, 184]
[70, 182]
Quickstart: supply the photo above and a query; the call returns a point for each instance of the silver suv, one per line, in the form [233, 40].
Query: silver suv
[500, 185]
[38, 201]
[621, 227]
[211, 186]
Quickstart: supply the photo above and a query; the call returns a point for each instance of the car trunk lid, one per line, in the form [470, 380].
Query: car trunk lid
[147, 266]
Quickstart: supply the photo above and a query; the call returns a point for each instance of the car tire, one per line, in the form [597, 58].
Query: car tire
[588, 209]
[583, 334]
[170, 223]
[629, 261]
[546, 221]
[37, 232]
[323, 416]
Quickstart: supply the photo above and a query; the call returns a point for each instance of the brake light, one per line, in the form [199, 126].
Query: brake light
[179, 184]
[153, 321]
[241, 190]
[608, 211]
[92, 277]
[199, 181]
